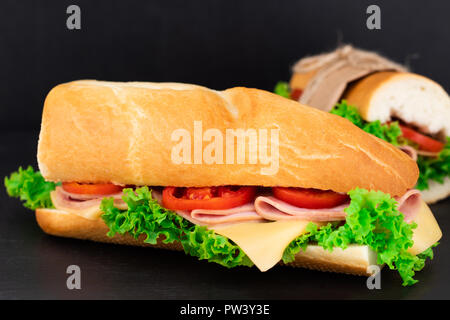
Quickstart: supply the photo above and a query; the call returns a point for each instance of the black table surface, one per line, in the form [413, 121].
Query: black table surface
[33, 265]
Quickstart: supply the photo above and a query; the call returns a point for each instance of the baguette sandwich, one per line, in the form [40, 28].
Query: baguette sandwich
[239, 177]
[383, 98]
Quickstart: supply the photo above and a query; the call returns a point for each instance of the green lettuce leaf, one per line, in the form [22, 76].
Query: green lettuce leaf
[428, 253]
[434, 168]
[205, 244]
[282, 89]
[143, 217]
[372, 219]
[348, 112]
[146, 217]
[30, 187]
[388, 132]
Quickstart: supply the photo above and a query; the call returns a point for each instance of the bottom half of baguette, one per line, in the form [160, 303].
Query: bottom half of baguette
[354, 260]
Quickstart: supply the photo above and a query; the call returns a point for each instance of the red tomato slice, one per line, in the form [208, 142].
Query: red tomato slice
[424, 142]
[214, 198]
[91, 188]
[310, 198]
[296, 94]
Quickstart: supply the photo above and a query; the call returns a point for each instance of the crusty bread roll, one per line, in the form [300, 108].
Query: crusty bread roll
[354, 260]
[121, 132]
[410, 97]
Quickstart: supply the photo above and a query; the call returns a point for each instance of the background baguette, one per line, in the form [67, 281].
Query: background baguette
[300, 80]
[407, 96]
[410, 97]
[385, 95]
[121, 132]
[353, 260]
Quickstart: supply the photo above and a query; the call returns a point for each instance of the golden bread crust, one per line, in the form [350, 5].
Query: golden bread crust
[121, 132]
[300, 80]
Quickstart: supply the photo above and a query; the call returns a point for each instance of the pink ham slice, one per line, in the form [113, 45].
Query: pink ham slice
[242, 213]
[187, 215]
[157, 196]
[410, 151]
[409, 204]
[264, 208]
[90, 209]
[88, 206]
[204, 217]
[427, 153]
[413, 153]
[271, 208]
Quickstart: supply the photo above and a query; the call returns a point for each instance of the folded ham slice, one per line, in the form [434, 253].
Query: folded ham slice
[427, 153]
[264, 208]
[409, 204]
[88, 208]
[204, 217]
[157, 196]
[271, 208]
[187, 215]
[410, 151]
[413, 153]
[244, 213]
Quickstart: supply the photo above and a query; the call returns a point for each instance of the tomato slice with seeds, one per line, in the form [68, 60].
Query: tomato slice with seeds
[91, 188]
[310, 198]
[213, 198]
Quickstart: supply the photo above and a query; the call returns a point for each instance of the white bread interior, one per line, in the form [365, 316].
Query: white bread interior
[410, 97]
[436, 191]
[354, 260]
[96, 131]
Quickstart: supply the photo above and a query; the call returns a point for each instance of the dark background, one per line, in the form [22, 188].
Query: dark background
[219, 44]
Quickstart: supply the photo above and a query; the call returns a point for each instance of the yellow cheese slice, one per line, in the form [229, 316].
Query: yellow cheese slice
[264, 243]
[427, 232]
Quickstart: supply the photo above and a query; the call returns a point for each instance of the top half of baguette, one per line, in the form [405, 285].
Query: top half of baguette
[96, 131]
